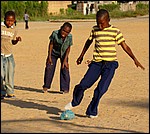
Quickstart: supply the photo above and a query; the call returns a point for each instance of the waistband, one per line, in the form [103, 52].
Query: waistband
[6, 55]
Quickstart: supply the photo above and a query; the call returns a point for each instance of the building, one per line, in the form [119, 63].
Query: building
[55, 6]
[93, 5]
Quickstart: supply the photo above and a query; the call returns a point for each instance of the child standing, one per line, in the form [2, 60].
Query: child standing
[59, 47]
[104, 62]
[26, 19]
[87, 9]
[8, 39]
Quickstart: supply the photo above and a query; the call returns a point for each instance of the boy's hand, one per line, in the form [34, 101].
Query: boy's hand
[18, 38]
[65, 64]
[49, 60]
[14, 42]
[79, 60]
[88, 62]
[138, 64]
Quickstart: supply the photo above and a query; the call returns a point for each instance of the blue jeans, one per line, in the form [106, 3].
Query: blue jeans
[64, 75]
[106, 70]
[7, 75]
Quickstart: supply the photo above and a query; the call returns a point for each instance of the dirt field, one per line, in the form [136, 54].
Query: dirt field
[123, 109]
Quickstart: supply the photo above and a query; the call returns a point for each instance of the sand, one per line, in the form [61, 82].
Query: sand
[123, 109]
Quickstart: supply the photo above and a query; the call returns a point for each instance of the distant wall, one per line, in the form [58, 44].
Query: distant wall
[55, 6]
[131, 5]
[128, 6]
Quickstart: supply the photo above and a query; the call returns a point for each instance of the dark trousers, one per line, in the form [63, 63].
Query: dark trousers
[26, 24]
[64, 75]
[96, 69]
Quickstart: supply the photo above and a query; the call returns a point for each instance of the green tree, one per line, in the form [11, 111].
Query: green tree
[29, 7]
[3, 8]
[19, 8]
[44, 8]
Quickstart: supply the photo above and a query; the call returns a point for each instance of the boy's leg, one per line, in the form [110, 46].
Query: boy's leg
[9, 77]
[64, 79]
[27, 25]
[49, 73]
[89, 79]
[3, 90]
[106, 77]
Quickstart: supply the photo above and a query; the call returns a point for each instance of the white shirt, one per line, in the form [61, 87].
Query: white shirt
[26, 16]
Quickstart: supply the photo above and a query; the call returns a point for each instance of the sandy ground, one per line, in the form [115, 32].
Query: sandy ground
[123, 109]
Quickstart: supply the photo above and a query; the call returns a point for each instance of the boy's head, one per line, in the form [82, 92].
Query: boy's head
[102, 19]
[65, 29]
[9, 18]
[25, 11]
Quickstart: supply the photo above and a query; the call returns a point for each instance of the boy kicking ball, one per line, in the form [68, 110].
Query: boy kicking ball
[104, 62]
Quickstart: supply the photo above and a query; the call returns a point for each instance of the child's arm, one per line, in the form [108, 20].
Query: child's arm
[49, 59]
[127, 49]
[86, 46]
[65, 63]
[14, 42]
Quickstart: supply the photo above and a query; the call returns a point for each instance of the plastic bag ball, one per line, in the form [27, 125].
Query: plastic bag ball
[67, 115]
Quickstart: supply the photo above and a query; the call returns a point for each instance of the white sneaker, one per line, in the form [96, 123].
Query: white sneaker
[92, 116]
[68, 106]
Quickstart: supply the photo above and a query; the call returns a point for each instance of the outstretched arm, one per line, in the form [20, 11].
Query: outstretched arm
[86, 46]
[127, 49]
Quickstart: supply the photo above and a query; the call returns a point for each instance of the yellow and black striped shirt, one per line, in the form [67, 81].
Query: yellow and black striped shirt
[105, 41]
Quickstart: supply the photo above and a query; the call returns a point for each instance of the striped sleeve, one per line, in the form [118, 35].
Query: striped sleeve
[119, 37]
[91, 35]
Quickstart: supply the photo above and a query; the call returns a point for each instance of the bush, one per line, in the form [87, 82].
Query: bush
[34, 8]
[70, 11]
[17, 7]
[122, 14]
[109, 7]
[142, 9]
[141, 6]
[62, 11]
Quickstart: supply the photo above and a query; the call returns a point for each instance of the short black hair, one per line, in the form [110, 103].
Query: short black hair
[66, 24]
[9, 13]
[102, 12]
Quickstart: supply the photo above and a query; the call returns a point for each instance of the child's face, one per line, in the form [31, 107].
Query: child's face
[102, 22]
[65, 31]
[9, 21]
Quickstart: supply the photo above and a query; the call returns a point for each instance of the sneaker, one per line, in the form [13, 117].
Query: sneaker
[92, 116]
[11, 96]
[66, 91]
[68, 106]
[62, 92]
[45, 90]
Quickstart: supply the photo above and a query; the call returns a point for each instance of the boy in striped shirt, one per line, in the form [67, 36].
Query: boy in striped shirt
[104, 62]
